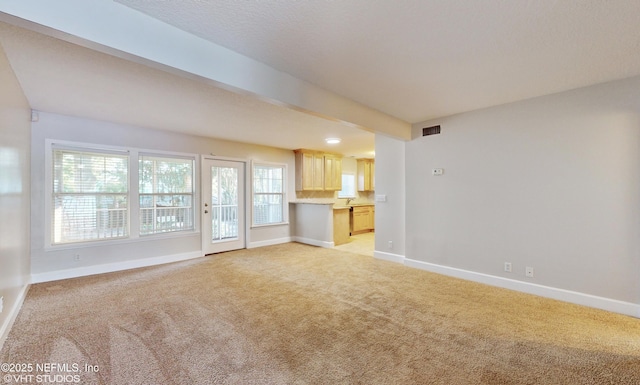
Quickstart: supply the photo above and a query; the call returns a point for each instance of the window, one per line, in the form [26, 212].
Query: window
[166, 188]
[348, 186]
[269, 194]
[90, 195]
[104, 194]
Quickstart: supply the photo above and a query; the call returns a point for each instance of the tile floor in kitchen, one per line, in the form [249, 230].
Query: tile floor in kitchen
[360, 244]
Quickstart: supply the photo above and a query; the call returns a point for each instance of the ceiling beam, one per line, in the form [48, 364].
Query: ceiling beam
[115, 29]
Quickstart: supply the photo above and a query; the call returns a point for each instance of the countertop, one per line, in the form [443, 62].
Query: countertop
[336, 206]
[311, 203]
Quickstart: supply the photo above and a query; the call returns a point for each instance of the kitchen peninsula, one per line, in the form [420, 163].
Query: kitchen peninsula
[322, 224]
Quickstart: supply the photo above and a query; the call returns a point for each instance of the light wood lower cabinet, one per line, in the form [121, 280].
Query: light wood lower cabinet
[362, 219]
[340, 226]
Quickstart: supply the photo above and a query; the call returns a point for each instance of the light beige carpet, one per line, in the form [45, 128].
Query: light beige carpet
[296, 314]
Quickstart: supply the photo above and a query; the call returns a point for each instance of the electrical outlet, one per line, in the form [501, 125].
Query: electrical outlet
[390, 245]
[437, 171]
[507, 267]
[76, 257]
[528, 271]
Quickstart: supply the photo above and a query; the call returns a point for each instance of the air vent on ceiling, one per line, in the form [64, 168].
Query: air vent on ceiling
[431, 130]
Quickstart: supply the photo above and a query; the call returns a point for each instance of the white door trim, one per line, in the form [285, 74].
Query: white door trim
[241, 242]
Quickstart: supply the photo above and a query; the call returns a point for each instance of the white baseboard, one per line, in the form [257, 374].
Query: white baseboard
[253, 245]
[13, 313]
[397, 258]
[613, 305]
[314, 242]
[111, 267]
[589, 300]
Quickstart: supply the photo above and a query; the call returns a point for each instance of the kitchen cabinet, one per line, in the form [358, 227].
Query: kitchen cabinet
[309, 171]
[366, 174]
[332, 172]
[318, 171]
[362, 219]
[340, 225]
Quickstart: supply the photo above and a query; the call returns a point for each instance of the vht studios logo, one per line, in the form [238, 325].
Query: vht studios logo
[42, 378]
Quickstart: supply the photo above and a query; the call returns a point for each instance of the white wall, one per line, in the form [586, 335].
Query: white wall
[58, 262]
[390, 182]
[15, 131]
[313, 223]
[552, 183]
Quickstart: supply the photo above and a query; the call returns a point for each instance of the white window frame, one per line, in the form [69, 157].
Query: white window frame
[347, 194]
[134, 196]
[285, 202]
[49, 194]
[192, 193]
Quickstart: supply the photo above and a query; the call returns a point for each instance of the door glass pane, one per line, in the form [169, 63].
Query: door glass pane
[215, 189]
[229, 185]
[224, 203]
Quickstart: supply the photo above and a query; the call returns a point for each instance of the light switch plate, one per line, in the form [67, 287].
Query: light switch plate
[437, 171]
[381, 198]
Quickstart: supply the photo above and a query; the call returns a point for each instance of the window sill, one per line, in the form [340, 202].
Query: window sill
[121, 241]
[270, 225]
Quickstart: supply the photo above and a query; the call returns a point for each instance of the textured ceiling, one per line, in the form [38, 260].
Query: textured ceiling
[418, 59]
[64, 78]
[412, 59]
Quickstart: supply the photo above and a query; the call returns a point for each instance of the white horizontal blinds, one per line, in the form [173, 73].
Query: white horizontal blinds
[90, 195]
[166, 194]
[268, 194]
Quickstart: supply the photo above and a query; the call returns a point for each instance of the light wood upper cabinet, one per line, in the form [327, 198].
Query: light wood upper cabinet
[318, 171]
[332, 172]
[309, 171]
[366, 175]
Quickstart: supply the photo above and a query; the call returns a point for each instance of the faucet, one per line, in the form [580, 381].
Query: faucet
[348, 200]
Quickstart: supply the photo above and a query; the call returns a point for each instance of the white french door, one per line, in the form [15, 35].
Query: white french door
[223, 201]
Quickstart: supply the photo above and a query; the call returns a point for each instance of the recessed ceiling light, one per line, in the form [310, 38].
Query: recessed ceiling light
[332, 140]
